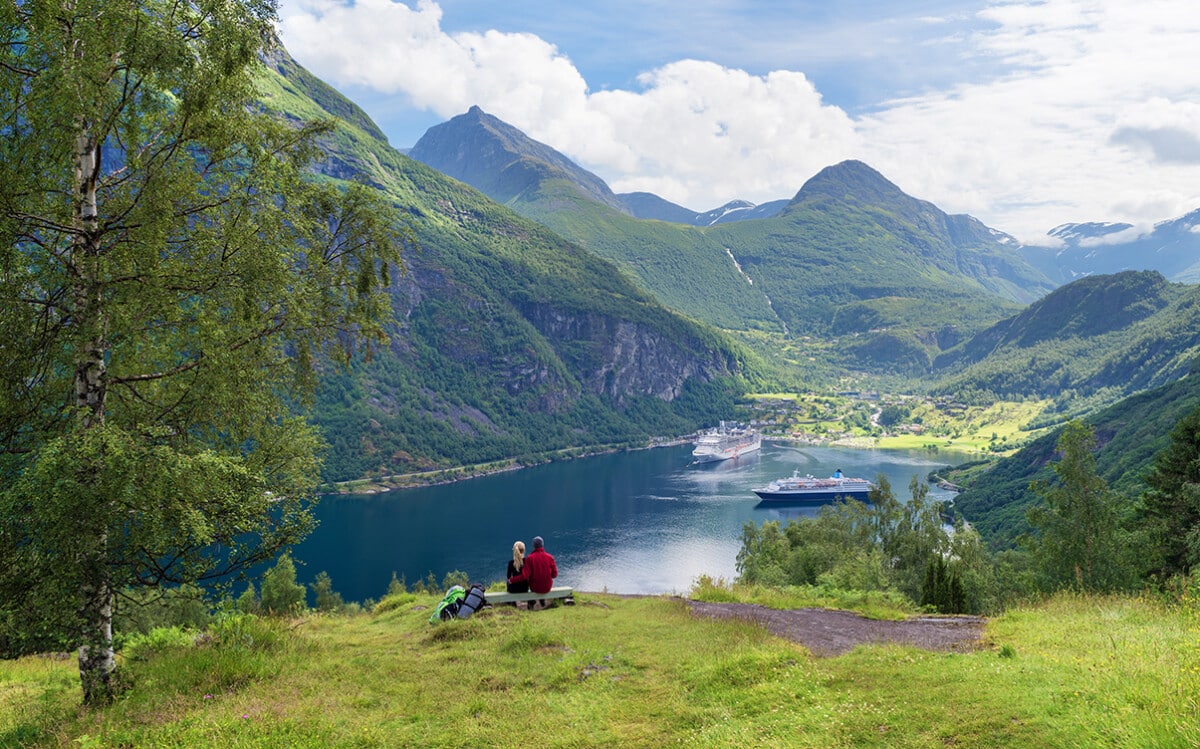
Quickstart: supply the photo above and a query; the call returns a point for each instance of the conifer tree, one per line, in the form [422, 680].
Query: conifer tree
[1171, 505]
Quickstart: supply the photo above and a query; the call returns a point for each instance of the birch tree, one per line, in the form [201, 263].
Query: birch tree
[168, 278]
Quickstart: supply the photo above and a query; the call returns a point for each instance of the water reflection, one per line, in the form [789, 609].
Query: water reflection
[784, 512]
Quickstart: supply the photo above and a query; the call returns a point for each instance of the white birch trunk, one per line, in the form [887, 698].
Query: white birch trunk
[96, 658]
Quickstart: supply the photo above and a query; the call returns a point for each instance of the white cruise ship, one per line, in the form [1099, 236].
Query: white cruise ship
[724, 443]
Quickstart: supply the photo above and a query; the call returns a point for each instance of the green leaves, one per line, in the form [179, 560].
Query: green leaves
[165, 253]
[882, 544]
[1171, 505]
[1078, 543]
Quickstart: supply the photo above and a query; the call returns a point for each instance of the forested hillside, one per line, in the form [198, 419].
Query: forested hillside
[1129, 433]
[1095, 340]
[506, 340]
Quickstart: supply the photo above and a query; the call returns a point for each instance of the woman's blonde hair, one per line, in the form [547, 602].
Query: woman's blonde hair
[518, 554]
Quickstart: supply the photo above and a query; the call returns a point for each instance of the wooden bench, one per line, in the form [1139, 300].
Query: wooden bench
[558, 591]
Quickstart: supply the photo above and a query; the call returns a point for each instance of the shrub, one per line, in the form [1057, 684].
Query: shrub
[140, 647]
[281, 594]
[248, 602]
[245, 632]
[327, 599]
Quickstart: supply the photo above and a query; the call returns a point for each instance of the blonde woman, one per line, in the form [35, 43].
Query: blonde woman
[514, 569]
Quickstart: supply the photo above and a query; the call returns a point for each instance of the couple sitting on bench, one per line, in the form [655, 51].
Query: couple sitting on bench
[534, 573]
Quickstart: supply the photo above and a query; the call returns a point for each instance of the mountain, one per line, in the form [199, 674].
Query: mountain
[507, 340]
[1130, 433]
[501, 161]
[740, 210]
[854, 208]
[850, 256]
[505, 164]
[896, 279]
[650, 206]
[1100, 338]
[677, 264]
[1172, 248]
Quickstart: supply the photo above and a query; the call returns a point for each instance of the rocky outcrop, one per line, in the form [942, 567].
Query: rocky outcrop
[618, 358]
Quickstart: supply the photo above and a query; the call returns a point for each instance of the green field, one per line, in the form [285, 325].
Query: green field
[611, 671]
[999, 428]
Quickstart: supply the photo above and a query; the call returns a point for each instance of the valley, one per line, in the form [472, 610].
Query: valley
[276, 393]
[541, 319]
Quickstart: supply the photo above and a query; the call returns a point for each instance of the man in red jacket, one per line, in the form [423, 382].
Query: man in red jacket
[539, 569]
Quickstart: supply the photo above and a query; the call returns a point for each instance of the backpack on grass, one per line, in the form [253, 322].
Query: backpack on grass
[447, 608]
[472, 601]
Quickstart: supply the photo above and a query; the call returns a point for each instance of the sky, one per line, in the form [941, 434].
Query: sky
[1026, 115]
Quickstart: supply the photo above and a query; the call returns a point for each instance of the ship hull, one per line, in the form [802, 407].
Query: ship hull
[716, 457]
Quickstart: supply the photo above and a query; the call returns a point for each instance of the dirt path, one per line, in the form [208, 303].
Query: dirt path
[826, 632]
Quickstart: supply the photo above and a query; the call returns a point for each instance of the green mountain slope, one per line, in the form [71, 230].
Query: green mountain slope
[896, 279]
[1099, 338]
[851, 196]
[507, 340]
[682, 266]
[1130, 433]
[851, 256]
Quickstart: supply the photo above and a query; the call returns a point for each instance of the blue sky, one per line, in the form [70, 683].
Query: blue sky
[1024, 114]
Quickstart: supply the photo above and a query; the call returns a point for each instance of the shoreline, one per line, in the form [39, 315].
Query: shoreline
[440, 476]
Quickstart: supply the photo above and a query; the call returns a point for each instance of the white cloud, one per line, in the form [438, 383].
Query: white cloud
[1095, 122]
[1089, 113]
[392, 48]
[720, 134]
[695, 132]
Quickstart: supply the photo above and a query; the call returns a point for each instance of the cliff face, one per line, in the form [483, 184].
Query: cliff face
[619, 358]
[543, 355]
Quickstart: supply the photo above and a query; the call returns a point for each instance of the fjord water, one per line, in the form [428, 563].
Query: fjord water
[634, 522]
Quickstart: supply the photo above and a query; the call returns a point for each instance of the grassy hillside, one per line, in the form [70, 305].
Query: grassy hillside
[680, 265]
[637, 672]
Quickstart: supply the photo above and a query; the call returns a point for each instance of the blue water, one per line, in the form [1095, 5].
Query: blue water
[635, 522]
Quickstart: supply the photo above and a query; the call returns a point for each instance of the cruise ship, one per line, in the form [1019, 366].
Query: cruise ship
[799, 489]
[724, 443]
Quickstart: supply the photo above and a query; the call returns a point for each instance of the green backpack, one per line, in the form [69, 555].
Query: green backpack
[447, 608]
